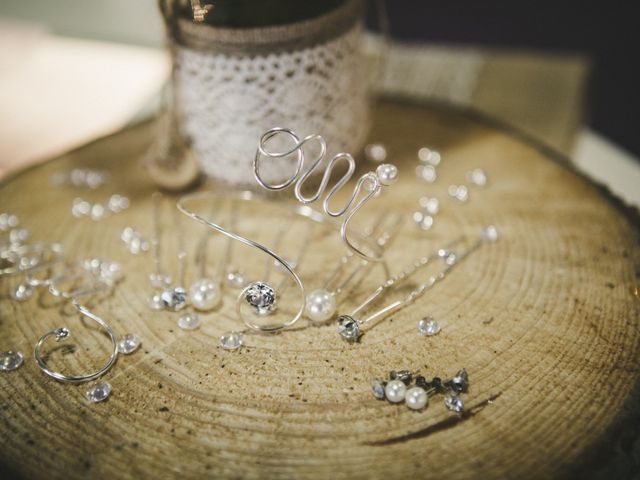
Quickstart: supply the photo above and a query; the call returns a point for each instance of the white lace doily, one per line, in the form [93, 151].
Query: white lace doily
[228, 101]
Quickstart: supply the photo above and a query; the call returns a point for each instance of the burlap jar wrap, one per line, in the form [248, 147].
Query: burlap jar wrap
[232, 84]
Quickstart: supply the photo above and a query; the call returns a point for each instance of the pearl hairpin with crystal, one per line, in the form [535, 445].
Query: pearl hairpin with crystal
[371, 182]
[321, 303]
[349, 326]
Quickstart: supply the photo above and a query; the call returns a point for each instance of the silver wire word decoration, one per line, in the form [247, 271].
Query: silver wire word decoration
[371, 182]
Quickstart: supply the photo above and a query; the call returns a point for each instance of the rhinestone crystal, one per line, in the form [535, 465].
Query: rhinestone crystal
[262, 297]
[426, 155]
[428, 326]
[425, 222]
[431, 205]
[375, 152]
[98, 393]
[454, 403]
[22, 292]
[459, 192]
[174, 298]
[426, 173]
[377, 387]
[477, 177]
[10, 360]
[231, 340]
[189, 321]
[348, 328]
[460, 382]
[129, 343]
[490, 233]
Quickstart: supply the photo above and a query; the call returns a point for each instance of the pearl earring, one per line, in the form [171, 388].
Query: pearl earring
[415, 390]
[349, 326]
[372, 182]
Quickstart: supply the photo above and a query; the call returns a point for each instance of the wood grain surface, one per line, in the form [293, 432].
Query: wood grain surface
[545, 321]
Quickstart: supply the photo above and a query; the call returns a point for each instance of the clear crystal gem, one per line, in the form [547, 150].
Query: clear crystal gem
[61, 333]
[129, 343]
[22, 292]
[10, 360]
[490, 233]
[431, 205]
[428, 326]
[189, 321]
[405, 376]
[174, 298]
[8, 221]
[454, 403]
[460, 382]
[348, 328]
[459, 192]
[98, 393]
[262, 297]
[425, 222]
[231, 340]
[377, 387]
[477, 177]
[155, 302]
[426, 173]
[18, 235]
[375, 152]
[429, 156]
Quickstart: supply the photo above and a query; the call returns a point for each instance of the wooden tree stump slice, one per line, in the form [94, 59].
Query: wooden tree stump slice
[545, 321]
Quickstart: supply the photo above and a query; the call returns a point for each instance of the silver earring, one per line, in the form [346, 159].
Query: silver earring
[372, 182]
[350, 326]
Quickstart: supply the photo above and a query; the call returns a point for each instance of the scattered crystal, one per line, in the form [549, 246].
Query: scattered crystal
[98, 393]
[80, 208]
[235, 279]
[460, 382]
[155, 302]
[459, 192]
[111, 272]
[262, 297]
[348, 328]
[426, 173]
[61, 333]
[490, 233]
[231, 340]
[174, 298]
[117, 203]
[425, 222]
[10, 360]
[377, 386]
[426, 155]
[22, 292]
[134, 241]
[428, 326]
[8, 221]
[454, 403]
[405, 376]
[98, 212]
[431, 205]
[375, 152]
[477, 177]
[129, 343]
[450, 258]
[189, 321]
[18, 236]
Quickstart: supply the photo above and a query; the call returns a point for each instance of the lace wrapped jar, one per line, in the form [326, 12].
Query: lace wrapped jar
[234, 83]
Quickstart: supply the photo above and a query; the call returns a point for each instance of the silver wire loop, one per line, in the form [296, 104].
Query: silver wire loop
[63, 333]
[371, 182]
[304, 211]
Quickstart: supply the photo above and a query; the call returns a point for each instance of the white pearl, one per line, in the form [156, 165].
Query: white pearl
[205, 294]
[321, 306]
[416, 398]
[395, 391]
[387, 174]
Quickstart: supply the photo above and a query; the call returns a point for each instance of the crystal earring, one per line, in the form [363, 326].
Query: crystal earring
[371, 183]
[349, 326]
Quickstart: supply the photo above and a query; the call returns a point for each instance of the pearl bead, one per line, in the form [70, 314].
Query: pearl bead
[321, 306]
[205, 294]
[416, 398]
[387, 174]
[395, 391]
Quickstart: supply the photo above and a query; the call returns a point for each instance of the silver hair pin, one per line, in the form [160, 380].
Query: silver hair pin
[371, 182]
[349, 326]
[321, 303]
